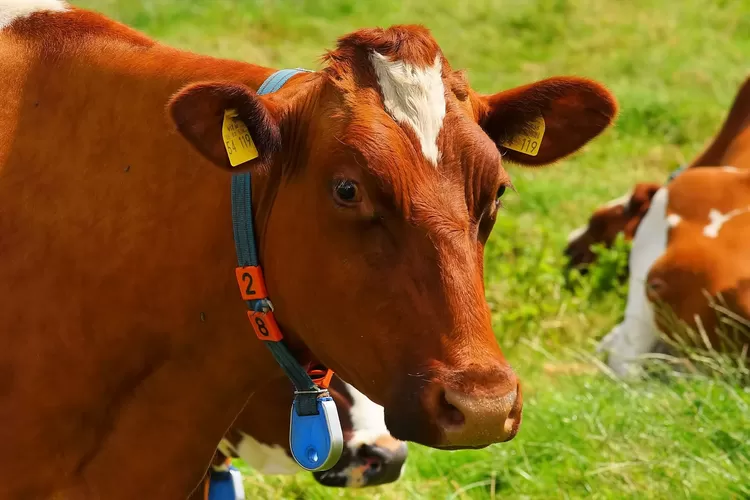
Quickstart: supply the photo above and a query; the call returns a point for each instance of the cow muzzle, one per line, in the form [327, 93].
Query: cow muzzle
[381, 462]
[474, 415]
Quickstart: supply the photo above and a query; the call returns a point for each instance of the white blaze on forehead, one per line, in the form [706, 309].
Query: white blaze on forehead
[368, 420]
[10, 10]
[638, 333]
[729, 168]
[264, 458]
[718, 219]
[414, 96]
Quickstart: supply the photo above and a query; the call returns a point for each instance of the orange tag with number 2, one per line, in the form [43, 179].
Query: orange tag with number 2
[251, 282]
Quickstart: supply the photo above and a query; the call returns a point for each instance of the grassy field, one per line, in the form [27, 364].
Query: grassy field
[674, 66]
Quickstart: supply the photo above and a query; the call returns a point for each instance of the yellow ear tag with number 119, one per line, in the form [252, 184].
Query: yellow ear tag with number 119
[237, 141]
[530, 142]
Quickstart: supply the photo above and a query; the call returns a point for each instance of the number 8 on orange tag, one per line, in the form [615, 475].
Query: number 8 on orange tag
[265, 326]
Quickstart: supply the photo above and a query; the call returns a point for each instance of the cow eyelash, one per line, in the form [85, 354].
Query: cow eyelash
[501, 191]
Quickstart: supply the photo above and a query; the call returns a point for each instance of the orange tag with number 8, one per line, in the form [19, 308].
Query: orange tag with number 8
[265, 326]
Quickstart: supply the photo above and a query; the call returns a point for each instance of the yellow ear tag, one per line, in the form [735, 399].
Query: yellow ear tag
[528, 143]
[240, 146]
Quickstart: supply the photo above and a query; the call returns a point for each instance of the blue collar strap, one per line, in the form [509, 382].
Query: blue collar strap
[315, 435]
[675, 173]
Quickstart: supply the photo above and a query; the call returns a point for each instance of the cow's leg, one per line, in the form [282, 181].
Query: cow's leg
[637, 334]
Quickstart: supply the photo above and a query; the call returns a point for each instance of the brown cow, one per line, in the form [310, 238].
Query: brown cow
[689, 244]
[376, 187]
[260, 437]
[730, 147]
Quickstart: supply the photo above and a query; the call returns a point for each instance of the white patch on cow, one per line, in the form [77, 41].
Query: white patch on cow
[415, 96]
[368, 420]
[10, 10]
[264, 458]
[637, 333]
[576, 233]
[729, 168]
[673, 220]
[717, 220]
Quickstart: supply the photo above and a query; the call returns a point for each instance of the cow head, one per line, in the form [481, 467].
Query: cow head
[260, 436]
[621, 215]
[371, 455]
[378, 182]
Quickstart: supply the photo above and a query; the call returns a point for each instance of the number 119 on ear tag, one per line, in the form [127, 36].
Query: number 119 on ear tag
[531, 141]
[316, 441]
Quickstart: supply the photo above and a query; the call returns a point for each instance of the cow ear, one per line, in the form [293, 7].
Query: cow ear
[642, 194]
[251, 132]
[646, 190]
[573, 111]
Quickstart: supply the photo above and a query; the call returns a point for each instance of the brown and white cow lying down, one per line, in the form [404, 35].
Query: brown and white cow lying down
[260, 437]
[688, 238]
[693, 240]
[730, 146]
[376, 187]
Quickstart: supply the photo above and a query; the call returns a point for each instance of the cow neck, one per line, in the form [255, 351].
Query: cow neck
[315, 433]
[265, 188]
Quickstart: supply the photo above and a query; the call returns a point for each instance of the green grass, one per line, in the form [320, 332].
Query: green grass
[674, 66]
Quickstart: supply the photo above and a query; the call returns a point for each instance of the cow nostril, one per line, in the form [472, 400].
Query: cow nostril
[373, 457]
[448, 414]
[513, 421]
[374, 465]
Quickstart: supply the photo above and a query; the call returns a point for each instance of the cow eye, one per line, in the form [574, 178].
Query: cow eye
[346, 192]
[500, 192]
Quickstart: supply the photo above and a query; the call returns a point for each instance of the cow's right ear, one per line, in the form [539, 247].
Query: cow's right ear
[216, 117]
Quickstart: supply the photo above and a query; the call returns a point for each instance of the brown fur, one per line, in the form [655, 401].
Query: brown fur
[694, 265]
[730, 147]
[123, 328]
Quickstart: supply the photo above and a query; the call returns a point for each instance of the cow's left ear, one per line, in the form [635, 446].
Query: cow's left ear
[222, 119]
[573, 110]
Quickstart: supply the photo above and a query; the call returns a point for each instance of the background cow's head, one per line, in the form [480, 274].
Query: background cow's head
[378, 182]
[260, 437]
[621, 215]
